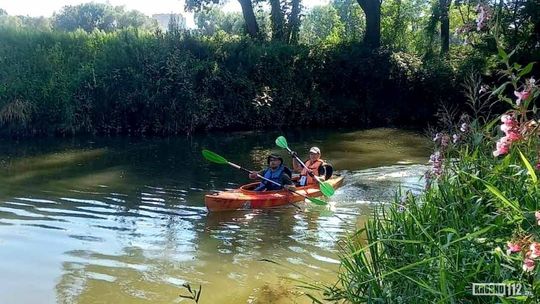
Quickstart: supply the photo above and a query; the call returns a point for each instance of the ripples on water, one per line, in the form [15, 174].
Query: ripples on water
[105, 238]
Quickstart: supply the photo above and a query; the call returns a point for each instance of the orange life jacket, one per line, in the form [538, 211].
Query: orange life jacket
[314, 167]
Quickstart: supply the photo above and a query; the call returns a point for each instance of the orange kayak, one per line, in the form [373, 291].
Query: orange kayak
[245, 198]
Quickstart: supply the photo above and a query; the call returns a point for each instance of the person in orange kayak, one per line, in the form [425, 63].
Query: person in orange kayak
[315, 167]
[276, 172]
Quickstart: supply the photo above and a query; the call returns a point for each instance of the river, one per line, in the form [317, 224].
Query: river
[122, 220]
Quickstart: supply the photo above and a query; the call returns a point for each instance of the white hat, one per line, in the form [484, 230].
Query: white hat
[315, 150]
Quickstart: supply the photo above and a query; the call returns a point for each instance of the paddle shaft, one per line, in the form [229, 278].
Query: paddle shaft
[268, 180]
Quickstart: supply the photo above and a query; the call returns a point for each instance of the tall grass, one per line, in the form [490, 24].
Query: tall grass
[475, 223]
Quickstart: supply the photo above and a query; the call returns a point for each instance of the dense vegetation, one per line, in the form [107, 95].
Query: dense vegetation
[116, 73]
[478, 220]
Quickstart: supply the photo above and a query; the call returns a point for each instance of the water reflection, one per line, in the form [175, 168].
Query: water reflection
[123, 220]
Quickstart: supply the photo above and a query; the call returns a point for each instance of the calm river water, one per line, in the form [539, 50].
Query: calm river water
[123, 220]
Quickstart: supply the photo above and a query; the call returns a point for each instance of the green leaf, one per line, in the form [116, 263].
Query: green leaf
[498, 194]
[529, 167]
[526, 70]
[502, 54]
[500, 88]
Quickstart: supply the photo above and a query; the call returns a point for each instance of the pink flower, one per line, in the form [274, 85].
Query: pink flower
[455, 138]
[537, 213]
[502, 146]
[528, 265]
[464, 127]
[512, 247]
[523, 95]
[513, 136]
[535, 250]
[508, 120]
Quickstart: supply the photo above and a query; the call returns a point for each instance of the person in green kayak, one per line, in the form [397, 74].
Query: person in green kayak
[276, 172]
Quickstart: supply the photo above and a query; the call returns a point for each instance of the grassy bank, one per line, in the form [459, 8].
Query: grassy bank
[478, 220]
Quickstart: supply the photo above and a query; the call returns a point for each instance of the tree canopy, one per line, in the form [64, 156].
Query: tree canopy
[101, 16]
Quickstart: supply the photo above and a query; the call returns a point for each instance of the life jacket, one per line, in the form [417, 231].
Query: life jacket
[273, 176]
[314, 167]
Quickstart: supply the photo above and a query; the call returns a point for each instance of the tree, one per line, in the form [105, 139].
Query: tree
[294, 22]
[352, 17]
[372, 10]
[214, 19]
[91, 16]
[247, 11]
[133, 18]
[86, 16]
[321, 25]
[3, 12]
[278, 20]
[444, 7]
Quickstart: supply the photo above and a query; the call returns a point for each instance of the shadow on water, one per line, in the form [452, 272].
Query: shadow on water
[123, 220]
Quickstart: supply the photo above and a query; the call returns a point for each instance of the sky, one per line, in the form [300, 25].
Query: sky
[46, 8]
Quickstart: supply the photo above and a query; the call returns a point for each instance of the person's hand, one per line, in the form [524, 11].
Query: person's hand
[253, 175]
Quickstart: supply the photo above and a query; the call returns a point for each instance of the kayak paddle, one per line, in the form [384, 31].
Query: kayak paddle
[218, 159]
[325, 187]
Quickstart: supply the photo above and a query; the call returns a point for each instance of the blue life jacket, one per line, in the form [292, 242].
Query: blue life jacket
[274, 176]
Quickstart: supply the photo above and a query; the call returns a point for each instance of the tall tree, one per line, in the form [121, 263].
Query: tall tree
[294, 22]
[372, 10]
[444, 7]
[278, 20]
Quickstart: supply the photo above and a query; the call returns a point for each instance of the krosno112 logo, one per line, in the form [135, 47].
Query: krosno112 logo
[500, 289]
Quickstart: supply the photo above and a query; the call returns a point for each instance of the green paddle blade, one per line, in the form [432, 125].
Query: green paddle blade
[213, 157]
[316, 201]
[326, 189]
[281, 142]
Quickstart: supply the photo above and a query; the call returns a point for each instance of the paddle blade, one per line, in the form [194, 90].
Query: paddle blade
[316, 201]
[281, 142]
[326, 189]
[213, 157]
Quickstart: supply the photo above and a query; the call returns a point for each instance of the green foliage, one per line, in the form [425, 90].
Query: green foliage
[431, 247]
[401, 24]
[137, 82]
[352, 17]
[100, 16]
[212, 20]
[322, 25]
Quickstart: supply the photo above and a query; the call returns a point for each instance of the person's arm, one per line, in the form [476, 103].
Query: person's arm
[253, 174]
